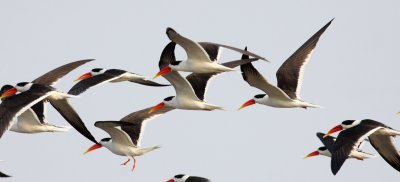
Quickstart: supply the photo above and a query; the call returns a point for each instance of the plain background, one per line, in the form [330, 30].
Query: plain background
[353, 73]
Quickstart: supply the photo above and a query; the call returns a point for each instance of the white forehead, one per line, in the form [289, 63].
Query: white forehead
[23, 88]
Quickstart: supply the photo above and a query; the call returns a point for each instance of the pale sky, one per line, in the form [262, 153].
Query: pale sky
[352, 73]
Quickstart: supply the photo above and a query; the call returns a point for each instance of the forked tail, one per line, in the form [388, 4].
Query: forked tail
[55, 128]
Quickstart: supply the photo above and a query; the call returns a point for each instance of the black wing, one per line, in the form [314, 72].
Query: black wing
[199, 81]
[197, 179]
[138, 120]
[51, 77]
[167, 56]
[347, 141]
[149, 83]
[13, 106]
[85, 84]
[70, 115]
[39, 110]
[385, 145]
[212, 50]
[2, 175]
[327, 141]
[290, 74]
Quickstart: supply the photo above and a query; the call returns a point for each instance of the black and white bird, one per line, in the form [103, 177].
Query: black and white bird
[327, 149]
[30, 94]
[14, 105]
[31, 122]
[99, 76]
[34, 120]
[289, 76]
[187, 178]
[202, 57]
[127, 133]
[190, 91]
[355, 132]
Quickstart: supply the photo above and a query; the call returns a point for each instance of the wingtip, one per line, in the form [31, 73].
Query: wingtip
[169, 30]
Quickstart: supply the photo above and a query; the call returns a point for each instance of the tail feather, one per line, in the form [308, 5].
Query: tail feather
[55, 128]
[211, 107]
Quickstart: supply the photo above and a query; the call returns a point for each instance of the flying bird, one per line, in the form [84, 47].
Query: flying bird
[201, 57]
[127, 133]
[327, 149]
[14, 105]
[355, 132]
[99, 76]
[190, 91]
[289, 76]
[30, 122]
[34, 119]
[31, 94]
[187, 178]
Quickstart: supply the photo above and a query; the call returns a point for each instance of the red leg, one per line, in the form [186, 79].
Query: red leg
[126, 162]
[134, 164]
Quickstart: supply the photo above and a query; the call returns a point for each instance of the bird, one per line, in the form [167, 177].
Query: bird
[34, 119]
[13, 105]
[29, 121]
[126, 134]
[30, 94]
[190, 91]
[187, 178]
[289, 76]
[327, 149]
[201, 57]
[99, 76]
[355, 132]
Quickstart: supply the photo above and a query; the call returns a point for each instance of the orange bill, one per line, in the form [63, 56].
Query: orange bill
[163, 71]
[315, 153]
[333, 130]
[94, 147]
[8, 93]
[84, 76]
[157, 107]
[248, 103]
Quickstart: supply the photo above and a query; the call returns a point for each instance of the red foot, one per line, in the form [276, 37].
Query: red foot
[126, 162]
[134, 164]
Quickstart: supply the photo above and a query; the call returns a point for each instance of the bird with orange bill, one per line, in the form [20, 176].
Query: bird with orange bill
[126, 134]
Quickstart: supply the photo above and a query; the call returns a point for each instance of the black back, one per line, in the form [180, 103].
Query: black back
[85, 84]
[328, 141]
[197, 179]
[15, 103]
[349, 140]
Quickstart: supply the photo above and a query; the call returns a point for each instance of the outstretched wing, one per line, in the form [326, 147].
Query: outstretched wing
[255, 79]
[113, 128]
[290, 74]
[69, 114]
[52, 77]
[348, 141]
[181, 85]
